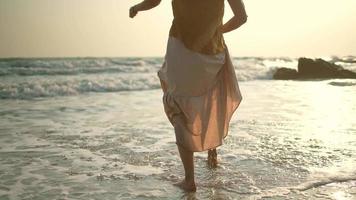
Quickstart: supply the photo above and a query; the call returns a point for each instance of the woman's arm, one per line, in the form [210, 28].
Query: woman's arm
[239, 18]
[144, 5]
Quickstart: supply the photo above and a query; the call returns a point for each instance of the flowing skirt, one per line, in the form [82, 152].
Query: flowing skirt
[200, 95]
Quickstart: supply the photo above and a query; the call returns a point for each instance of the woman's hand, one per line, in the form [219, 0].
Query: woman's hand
[144, 5]
[133, 11]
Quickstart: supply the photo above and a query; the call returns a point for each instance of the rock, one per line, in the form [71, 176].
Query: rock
[347, 74]
[319, 68]
[311, 69]
[285, 74]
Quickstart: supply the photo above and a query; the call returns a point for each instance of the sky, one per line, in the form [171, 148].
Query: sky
[81, 28]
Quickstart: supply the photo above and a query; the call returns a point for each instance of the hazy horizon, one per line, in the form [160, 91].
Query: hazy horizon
[92, 28]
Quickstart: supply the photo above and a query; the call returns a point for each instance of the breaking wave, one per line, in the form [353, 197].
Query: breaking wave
[61, 86]
[26, 78]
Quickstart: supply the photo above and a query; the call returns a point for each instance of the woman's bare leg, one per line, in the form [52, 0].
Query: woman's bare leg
[212, 158]
[188, 184]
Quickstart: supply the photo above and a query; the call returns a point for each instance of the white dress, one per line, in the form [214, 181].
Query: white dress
[200, 95]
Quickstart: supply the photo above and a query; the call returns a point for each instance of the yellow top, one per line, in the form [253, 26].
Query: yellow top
[197, 24]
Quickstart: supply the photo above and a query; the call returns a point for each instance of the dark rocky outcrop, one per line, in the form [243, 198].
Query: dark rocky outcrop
[313, 69]
[285, 74]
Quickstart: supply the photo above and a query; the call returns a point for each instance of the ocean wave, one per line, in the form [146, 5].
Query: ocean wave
[60, 71]
[250, 68]
[74, 66]
[60, 87]
[247, 68]
[325, 181]
[47, 77]
[345, 59]
[254, 73]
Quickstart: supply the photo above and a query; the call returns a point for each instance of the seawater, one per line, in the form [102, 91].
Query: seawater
[22, 78]
[94, 128]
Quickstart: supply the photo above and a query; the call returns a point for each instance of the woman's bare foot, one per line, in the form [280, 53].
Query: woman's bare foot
[212, 158]
[188, 186]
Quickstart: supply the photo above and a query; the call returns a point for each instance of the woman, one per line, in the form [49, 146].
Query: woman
[199, 84]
